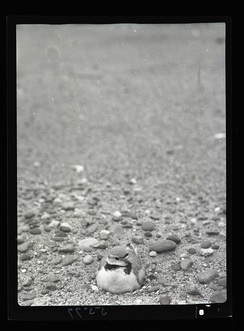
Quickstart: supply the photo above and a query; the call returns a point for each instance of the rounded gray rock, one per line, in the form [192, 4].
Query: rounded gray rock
[186, 264]
[148, 226]
[174, 238]
[207, 276]
[162, 245]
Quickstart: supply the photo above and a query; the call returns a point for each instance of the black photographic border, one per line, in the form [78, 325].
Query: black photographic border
[82, 313]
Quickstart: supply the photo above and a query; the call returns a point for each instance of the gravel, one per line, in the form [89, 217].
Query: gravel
[115, 144]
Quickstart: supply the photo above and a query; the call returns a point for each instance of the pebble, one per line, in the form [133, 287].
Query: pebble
[176, 266]
[147, 234]
[194, 291]
[104, 234]
[174, 238]
[186, 264]
[88, 259]
[117, 216]
[25, 257]
[92, 228]
[162, 245]
[221, 224]
[65, 227]
[153, 254]
[87, 242]
[79, 213]
[207, 251]
[137, 240]
[165, 300]
[24, 247]
[162, 280]
[191, 250]
[207, 276]
[29, 214]
[148, 226]
[153, 288]
[212, 232]
[222, 282]
[218, 297]
[56, 260]
[69, 248]
[70, 205]
[155, 216]
[54, 224]
[69, 260]
[28, 296]
[51, 287]
[215, 246]
[36, 230]
[206, 244]
[78, 168]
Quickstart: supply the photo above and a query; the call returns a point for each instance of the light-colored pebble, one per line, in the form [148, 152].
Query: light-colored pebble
[88, 259]
[153, 254]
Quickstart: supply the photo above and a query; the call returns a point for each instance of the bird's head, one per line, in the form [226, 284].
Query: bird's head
[118, 256]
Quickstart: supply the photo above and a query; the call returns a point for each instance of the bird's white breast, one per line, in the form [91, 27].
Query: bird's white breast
[116, 281]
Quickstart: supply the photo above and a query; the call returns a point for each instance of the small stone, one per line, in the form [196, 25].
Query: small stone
[153, 254]
[212, 232]
[69, 260]
[117, 216]
[215, 246]
[191, 250]
[69, 248]
[87, 242]
[153, 288]
[148, 226]
[137, 240]
[162, 245]
[51, 287]
[162, 280]
[70, 205]
[147, 234]
[206, 244]
[205, 222]
[194, 291]
[165, 300]
[28, 296]
[53, 279]
[25, 257]
[176, 266]
[65, 227]
[79, 213]
[207, 251]
[24, 247]
[54, 224]
[88, 259]
[207, 276]
[29, 214]
[78, 168]
[218, 297]
[221, 224]
[92, 228]
[56, 260]
[186, 264]
[20, 240]
[104, 234]
[35, 230]
[223, 282]
[155, 216]
[174, 238]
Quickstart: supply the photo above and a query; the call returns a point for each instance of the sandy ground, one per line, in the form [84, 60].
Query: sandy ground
[142, 109]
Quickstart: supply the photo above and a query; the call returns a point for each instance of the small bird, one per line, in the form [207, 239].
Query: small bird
[121, 270]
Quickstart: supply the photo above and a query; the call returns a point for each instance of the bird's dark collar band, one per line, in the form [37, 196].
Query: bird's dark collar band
[127, 268]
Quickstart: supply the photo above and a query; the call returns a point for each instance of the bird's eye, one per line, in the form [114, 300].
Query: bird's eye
[116, 258]
[125, 255]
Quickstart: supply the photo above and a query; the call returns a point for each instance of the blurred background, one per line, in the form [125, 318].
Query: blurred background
[122, 98]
